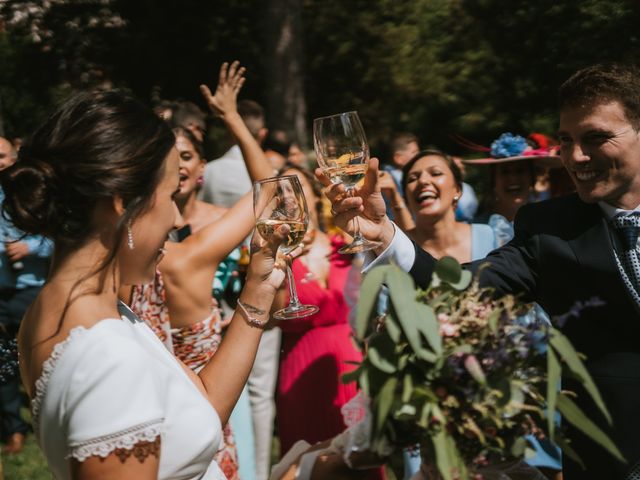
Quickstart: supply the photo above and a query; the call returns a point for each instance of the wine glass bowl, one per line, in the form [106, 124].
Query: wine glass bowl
[342, 152]
[280, 201]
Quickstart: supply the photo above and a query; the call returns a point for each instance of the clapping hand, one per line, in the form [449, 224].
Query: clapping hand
[230, 81]
[366, 203]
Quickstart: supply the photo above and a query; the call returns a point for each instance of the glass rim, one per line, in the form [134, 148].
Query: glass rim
[336, 115]
[275, 179]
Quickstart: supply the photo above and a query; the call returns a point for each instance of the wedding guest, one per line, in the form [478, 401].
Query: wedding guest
[24, 264]
[276, 147]
[404, 146]
[226, 180]
[99, 177]
[315, 349]
[179, 301]
[432, 185]
[567, 250]
[190, 116]
[296, 156]
[395, 201]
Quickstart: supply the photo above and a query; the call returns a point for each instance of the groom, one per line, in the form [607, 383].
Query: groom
[567, 252]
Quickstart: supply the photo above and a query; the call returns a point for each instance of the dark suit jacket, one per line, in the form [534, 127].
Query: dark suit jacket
[562, 254]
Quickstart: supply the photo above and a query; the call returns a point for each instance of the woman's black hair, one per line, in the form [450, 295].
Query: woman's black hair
[96, 146]
[432, 152]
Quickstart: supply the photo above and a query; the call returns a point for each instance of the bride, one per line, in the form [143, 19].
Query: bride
[99, 177]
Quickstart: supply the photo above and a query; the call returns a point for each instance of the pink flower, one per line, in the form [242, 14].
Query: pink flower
[473, 367]
[448, 330]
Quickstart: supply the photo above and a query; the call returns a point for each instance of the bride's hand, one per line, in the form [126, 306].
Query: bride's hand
[267, 267]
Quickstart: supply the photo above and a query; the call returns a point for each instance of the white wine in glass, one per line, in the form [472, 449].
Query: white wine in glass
[280, 201]
[342, 152]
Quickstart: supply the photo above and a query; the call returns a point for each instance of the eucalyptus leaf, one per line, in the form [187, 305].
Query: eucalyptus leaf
[563, 346]
[353, 375]
[465, 280]
[553, 382]
[381, 353]
[384, 401]
[429, 326]
[519, 446]
[448, 270]
[368, 300]
[568, 450]
[572, 413]
[407, 387]
[443, 457]
[392, 327]
[402, 292]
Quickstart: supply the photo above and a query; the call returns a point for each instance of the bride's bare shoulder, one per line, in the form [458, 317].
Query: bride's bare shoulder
[48, 322]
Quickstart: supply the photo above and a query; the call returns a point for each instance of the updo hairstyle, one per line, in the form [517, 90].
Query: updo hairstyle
[98, 145]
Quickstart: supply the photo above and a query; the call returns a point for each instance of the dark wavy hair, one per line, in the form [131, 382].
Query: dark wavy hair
[432, 152]
[186, 133]
[603, 83]
[96, 146]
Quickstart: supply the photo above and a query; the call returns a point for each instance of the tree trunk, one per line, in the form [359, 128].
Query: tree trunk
[286, 104]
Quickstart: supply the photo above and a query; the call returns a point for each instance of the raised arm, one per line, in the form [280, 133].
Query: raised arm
[227, 371]
[214, 242]
[224, 104]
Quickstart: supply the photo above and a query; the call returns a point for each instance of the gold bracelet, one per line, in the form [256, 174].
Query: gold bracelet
[253, 321]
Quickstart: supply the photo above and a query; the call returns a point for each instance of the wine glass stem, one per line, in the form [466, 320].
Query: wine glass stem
[293, 293]
[356, 224]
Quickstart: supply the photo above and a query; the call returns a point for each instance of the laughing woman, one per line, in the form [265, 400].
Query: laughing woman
[432, 185]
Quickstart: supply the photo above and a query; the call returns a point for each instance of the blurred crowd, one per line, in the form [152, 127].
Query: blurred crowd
[294, 390]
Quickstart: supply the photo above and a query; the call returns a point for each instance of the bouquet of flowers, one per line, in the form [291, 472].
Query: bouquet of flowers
[464, 374]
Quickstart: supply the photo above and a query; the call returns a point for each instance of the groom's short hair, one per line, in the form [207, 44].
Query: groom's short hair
[604, 83]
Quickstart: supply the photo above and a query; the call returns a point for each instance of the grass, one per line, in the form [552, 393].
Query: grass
[26, 465]
[29, 464]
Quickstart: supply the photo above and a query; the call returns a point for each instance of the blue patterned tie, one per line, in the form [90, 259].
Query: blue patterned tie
[628, 228]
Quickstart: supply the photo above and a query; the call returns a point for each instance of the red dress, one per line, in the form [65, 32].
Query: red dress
[312, 361]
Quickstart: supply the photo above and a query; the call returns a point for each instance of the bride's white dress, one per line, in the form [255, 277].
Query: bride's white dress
[114, 385]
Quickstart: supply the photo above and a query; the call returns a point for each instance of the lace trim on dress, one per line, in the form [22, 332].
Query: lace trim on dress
[47, 369]
[102, 446]
[123, 440]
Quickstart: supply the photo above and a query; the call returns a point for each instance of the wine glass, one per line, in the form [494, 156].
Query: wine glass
[280, 201]
[343, 155]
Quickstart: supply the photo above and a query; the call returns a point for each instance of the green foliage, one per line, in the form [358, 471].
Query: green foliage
[435, 67]
[460, 373]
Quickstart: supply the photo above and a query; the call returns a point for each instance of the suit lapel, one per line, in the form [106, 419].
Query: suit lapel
[594, 251]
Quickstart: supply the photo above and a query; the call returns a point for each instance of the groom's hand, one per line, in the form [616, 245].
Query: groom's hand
[366, 203]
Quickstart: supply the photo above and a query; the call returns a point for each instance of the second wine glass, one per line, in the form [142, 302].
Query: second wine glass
[343, 155]
[280, 201]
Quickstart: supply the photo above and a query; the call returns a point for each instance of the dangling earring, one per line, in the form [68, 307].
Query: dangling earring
[129, 236]
[200, 181]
